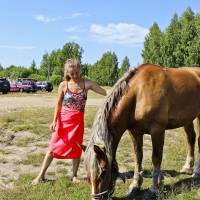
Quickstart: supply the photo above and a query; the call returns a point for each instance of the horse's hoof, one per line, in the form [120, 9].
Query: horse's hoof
[133, 191]
[195, 175]
[186, 170]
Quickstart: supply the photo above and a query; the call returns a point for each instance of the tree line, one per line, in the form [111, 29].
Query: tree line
[105, 71]
[178, 45]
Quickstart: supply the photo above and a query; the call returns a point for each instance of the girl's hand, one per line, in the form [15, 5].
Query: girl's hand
[108, 92]
[53, 126]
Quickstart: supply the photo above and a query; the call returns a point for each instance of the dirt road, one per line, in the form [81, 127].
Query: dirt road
[14, 102]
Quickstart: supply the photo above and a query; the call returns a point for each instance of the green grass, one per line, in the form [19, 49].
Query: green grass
[90, 113]
[176, 186]
[23, 142]
[37, 120]
[34, 120]
[32, 159]
[61, 189]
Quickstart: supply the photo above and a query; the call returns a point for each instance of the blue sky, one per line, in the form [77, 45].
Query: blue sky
[29, 28]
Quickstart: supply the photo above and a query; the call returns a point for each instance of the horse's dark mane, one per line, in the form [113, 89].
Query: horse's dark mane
[101, 130]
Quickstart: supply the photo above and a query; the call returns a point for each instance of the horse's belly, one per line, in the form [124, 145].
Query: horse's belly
[175, 124]
[180, 121]
[184, 111]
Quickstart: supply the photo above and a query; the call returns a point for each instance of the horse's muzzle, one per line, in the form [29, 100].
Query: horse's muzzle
[106, 194]
[101, 196]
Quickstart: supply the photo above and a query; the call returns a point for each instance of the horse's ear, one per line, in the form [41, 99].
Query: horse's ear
[83, 147]
[99, 150]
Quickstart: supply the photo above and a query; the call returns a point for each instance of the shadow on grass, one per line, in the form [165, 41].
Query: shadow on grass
[184, 185]
[148, 174]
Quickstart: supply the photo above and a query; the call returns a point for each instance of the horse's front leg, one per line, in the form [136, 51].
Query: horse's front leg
[190, 135]
[157, 136]
[137, 140]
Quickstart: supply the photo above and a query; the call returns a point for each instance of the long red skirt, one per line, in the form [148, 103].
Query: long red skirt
[66, 140]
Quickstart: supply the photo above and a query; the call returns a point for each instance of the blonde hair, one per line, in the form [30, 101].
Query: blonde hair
[70, 63]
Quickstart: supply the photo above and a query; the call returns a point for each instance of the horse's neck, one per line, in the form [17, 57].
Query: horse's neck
[118, 129]
[121, 117]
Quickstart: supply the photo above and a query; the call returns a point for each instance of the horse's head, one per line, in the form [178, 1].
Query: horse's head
[100, 172]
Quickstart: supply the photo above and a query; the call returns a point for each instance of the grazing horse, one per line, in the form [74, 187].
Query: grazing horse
[148, 99]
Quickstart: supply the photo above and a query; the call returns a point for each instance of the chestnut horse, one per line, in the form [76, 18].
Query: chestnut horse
[148, 99]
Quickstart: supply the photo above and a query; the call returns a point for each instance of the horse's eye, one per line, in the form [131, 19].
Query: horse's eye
[103, 172]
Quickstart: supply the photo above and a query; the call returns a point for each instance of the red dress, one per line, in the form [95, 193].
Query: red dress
[66, 140]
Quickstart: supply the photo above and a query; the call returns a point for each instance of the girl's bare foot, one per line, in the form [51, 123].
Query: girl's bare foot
[38, 180]
[75, 180]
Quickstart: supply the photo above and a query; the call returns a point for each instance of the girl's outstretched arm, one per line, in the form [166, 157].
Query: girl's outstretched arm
[96, 88]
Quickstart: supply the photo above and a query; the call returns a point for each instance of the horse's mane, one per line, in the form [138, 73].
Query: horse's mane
[101, 130]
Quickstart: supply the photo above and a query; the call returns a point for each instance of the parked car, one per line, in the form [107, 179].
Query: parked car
[27, 86]
[14, 87]
[44, 86]
[4, 85]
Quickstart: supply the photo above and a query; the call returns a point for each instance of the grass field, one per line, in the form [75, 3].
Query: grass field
[36, 122]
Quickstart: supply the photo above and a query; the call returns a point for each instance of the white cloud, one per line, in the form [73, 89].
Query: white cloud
[46, 19]
[122, 33]
[72, 29]
[17, 47]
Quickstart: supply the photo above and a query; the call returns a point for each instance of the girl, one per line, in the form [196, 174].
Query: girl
[68, 121]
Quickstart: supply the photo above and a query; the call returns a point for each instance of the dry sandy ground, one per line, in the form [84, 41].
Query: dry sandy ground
[12, 154]
[10, 103]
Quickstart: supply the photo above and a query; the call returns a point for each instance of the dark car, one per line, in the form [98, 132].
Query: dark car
[4, 85]
[44, 86]
[26, 86]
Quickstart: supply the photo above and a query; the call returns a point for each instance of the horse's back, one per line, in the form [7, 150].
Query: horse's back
[166, 96]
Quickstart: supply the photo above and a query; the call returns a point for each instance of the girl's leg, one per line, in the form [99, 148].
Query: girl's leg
[46, 162]
[75, 166]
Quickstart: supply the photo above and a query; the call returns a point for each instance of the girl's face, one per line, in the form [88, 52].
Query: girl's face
[74, 73]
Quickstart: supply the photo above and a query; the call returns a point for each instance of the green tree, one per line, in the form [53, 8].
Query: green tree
[44, 67]
[193, 58]
[69, 50]
[48, 64]
[15, 72]
[33, 67]
[169, 43]
[124, 67]
[3, 73]
[105, 71]
[152, 45]
[1, 67]
[187, 35]
[85, 69]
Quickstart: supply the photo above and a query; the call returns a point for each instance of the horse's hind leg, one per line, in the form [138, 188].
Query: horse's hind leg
[190, 135]
[137, 140]
[196, 172]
